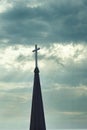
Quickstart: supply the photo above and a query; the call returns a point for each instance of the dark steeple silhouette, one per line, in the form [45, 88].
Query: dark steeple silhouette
[37, 121]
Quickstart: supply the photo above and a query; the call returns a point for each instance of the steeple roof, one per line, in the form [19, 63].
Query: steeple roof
[37, 121]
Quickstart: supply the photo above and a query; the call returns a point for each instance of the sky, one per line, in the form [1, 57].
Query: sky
[59, 28]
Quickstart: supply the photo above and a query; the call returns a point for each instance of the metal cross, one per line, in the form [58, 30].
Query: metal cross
[36, 58]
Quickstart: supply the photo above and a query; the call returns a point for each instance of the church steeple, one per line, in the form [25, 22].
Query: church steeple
[37, 121]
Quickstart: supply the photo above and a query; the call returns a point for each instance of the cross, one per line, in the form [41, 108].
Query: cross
[36, 49]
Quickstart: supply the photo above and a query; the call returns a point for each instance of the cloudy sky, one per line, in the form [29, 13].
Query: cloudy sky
[59, 28]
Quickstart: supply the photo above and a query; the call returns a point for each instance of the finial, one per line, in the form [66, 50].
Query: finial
[36, 58]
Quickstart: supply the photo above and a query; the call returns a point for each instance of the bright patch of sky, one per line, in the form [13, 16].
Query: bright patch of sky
[4, 5]
[20, 56]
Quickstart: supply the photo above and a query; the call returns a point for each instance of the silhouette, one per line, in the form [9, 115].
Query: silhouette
[37, 121]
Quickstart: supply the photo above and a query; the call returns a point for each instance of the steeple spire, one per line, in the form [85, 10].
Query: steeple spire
[37, 121]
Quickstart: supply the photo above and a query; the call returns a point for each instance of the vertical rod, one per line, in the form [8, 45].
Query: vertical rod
[36, 55]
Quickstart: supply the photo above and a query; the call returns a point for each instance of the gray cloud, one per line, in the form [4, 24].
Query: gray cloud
[15, 108]
[50, 22]
[67, 106]
[16, 76]
[44, 22]
[67, 99]
[71, 74]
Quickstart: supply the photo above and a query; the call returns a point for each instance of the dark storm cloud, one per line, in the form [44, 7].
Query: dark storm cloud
[49, 22]
[22, 25]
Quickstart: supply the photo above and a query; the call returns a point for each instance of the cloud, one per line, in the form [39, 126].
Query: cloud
[15, 108]
[67, 106]
[59, 27]
[67, 62]
[45, 23]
